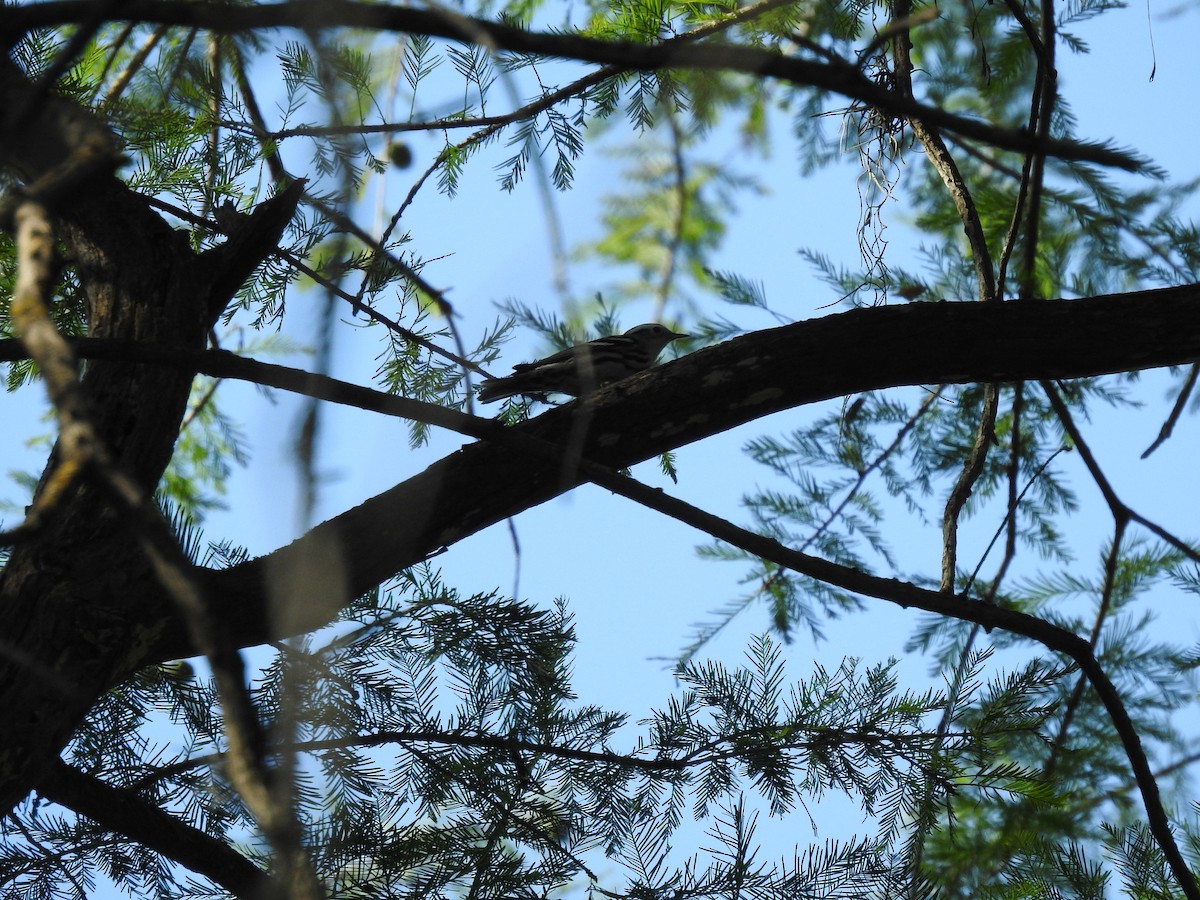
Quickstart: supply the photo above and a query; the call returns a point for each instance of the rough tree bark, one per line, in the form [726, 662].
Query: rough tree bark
[69, 619]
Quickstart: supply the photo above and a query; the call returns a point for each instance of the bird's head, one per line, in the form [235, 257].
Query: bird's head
[653, 336]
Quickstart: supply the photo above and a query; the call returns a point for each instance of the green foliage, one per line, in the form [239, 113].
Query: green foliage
[439, 738]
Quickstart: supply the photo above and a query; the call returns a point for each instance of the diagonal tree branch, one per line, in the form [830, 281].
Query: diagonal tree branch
[124, 812]
[490, 480]
[905, 594]
[740, 381]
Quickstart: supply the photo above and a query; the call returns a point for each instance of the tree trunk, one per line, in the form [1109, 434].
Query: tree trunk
[71, 615]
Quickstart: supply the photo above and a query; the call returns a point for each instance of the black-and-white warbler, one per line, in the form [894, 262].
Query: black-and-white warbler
[584, 367]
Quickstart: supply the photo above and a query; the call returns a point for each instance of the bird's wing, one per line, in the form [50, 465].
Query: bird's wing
[569, 355]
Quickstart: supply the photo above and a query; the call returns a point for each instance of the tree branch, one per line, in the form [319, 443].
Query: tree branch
[485, 482]
[124, 812]
[742, 380]
[955, 606]
[1120, 510]
[1189, 384]
[943, 163]
[842, 78]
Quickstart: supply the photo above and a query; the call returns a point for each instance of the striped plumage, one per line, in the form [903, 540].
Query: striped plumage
[584, 367]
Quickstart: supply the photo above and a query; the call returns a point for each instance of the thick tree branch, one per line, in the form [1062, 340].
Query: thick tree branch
[126, 813]
[681, 402]
[840, 78]
[490, 480]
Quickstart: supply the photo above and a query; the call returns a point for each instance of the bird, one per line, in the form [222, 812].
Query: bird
[584, 367]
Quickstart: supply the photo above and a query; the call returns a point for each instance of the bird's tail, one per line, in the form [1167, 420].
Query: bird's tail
[494, 389]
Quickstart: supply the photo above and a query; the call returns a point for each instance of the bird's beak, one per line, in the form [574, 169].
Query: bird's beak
[675, 335]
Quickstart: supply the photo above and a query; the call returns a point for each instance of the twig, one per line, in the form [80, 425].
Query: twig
[1014, 498]
[1110, 576]
[109, 60]
[961, 492]
[1168, 426]
[725, 747]
[47, 854]
[1008, 524]
[943, 163]
[293, 260]
[675, 242]
[135, 65]
[879, 460]
[270, 154]
[1116, 506]
[939, 156]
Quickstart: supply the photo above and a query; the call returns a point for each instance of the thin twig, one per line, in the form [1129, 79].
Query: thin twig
[878, 461]
[675, 242]
[135, 65]
[1168, 426]
[939, 157]
[1116, 506]
[1111, 561]
[270, 153]
[1008, 524]
[300, 266]
[725, 747]
[109, 60]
